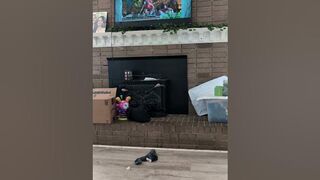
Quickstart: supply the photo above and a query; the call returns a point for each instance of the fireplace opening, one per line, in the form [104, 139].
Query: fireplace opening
[161, 83]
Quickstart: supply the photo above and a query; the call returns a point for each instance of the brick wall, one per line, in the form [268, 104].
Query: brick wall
[205, 61]
[173, 131]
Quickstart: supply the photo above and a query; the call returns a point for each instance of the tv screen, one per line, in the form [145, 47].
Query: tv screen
[148, 12]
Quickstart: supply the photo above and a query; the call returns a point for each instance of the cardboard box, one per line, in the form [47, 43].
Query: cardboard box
[103, 105]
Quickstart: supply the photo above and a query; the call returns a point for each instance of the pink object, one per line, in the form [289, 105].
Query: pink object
[122, 105]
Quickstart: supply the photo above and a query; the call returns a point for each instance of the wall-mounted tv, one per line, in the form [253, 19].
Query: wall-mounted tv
[137, 13]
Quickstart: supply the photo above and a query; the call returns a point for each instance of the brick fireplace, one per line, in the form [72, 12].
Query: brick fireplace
[170, 72]
[205, 61]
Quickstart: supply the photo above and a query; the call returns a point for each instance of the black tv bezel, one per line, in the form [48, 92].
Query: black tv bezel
[149, 23]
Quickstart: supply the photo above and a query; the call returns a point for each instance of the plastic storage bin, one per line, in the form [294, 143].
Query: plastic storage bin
[217, 111]
[217, 108]
[199, 94]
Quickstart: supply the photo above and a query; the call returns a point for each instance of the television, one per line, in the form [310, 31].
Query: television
[141, 13]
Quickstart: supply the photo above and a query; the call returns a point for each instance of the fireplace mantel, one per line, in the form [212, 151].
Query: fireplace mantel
[158, 37]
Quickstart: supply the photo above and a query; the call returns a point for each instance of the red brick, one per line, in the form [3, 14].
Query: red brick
[188, 46]
[220, 54]
[220, 45]
[95, 54]
[192, 60]
[223, 69]
[220, 59]
[204, 60]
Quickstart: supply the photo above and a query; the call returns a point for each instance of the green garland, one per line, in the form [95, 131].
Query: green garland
[171, 28]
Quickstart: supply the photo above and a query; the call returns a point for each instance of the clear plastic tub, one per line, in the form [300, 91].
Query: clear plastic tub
[217, 110]
[199, 94]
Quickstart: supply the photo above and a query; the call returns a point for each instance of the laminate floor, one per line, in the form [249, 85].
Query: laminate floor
[111, 163]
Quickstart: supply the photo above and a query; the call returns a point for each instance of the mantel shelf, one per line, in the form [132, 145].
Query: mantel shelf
[158, 37]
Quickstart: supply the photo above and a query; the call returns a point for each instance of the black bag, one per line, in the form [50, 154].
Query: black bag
[151, 157]
[150, 96]
[138, 112]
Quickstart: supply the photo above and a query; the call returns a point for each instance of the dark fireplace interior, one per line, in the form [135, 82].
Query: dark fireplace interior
[160, 81]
